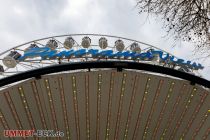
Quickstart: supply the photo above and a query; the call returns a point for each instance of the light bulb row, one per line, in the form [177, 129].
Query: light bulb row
[98, 106]
[160, 117]
[175, 107]
[207, 132]
[136, 81]
[13, 110]
[63, 102]
[141, 109]
[3, 121]
[76, 111]
[26, 108]
[120, 106]
[87, 107]
[195, 113]
[157, 94]
[201, 123]
[39, 106]
[109, 106]
[179, 122]
[52, 108]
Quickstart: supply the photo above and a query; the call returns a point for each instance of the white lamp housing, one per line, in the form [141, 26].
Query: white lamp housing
[52, 44]
[86, 42]
[69, 43]
[10, 60]
[103, 44]
[135, 48]
[119, 45]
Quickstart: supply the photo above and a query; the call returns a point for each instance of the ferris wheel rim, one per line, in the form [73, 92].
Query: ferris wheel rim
[85, 34]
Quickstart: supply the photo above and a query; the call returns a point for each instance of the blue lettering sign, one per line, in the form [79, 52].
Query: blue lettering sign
[47, 53]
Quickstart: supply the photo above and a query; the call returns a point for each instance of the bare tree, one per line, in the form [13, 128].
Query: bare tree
[188, 20]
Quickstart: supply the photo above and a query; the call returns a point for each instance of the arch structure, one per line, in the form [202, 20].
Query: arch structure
[91, 86]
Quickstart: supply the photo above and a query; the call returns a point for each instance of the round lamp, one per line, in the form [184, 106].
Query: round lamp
[103, 43]
[52, 44]
[69, 43]
[86, 42]
[10, 60]
[119, 45]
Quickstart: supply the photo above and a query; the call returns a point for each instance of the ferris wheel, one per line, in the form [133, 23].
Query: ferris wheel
[83, 47]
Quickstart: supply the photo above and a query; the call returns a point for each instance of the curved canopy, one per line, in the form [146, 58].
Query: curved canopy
[108, 104]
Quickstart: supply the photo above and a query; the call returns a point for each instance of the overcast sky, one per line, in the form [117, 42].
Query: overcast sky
[25, 20]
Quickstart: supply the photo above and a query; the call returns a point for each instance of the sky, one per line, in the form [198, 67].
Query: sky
[25, 20]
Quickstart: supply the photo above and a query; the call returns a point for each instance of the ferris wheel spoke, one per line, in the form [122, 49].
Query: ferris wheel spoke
[17, 49]
[28, 66]
[39, 43]
[58, 41]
